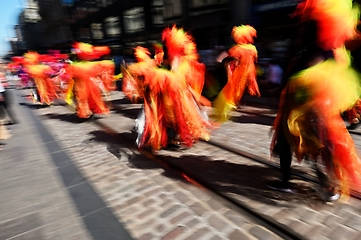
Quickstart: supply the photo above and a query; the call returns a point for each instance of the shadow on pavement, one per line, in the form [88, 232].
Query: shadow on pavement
[123, 152]
[120, 101]
[244, 182]
[253, 119]
[33, 106]
[241, 182]
[131, 113]
[68, 117]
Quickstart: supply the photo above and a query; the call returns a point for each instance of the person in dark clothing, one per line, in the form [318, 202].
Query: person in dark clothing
[5, 104]
[307, 53]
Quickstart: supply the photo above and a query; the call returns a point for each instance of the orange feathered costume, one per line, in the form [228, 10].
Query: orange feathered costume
[241, 73]
[314, 98]
[171, 97]
[90, 80]
[40, 73]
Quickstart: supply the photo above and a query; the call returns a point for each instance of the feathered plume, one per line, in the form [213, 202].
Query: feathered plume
[336, 20]
[141, 54]
[86, 51]
[243, 34]
[179, 43]
[31, 58]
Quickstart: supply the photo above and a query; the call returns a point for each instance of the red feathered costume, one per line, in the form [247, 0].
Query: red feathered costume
[171, 97]
[241, 73]
[314, 98]
[91, 79]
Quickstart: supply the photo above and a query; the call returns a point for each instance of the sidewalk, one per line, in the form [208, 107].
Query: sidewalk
[43, 195]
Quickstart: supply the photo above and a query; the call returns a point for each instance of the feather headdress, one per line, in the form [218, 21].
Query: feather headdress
[179, 43]
[31, 57]
[243, 34]
[336, 20]
[141, 54]
[88, 52]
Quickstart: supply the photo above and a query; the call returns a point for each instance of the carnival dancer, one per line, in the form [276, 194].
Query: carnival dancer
[353, 115]
[319, 85]
[171, 101]
[58, 75]
[16, 66]
[241, 72]
[90, 80]
[40, 73]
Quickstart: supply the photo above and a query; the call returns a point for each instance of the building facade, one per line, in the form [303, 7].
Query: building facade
[124, 24]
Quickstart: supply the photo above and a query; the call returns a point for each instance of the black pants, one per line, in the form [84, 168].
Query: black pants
[6, 106]
[284, 151]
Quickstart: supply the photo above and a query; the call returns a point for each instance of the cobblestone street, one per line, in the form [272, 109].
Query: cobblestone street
[65, 178]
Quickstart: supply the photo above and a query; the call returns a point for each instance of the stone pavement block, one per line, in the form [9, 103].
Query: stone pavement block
[299, 226]
[341, 232]
[192, 222]
[317, 230]
[180, 218]
[217, 223]
[332, 220]
[237, 234]
[199, 209]
[235, 218]
[203, 233]
[354, 222]
[173, 234]
[147, 236]
[261, 233]
[170, 211]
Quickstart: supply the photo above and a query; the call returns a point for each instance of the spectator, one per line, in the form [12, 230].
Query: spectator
[274, 73]
[5, 101]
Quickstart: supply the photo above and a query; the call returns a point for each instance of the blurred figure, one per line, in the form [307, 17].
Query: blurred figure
[90, 80]
[241, 72]
[274, 74]
[45, 92]
[170, 84]
[6, 101]
[354, 114]
[4, 132]
[317, 87]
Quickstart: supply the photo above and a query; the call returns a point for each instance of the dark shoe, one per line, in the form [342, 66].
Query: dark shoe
[12, 123]
[353, 126]
[279, 186]
[330, 196]
[172, 146]
[333, 197]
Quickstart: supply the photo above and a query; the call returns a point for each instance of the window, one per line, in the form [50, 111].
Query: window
[157, 12]
[97, 31]
[172, 8]
[112, 27]
[134, 20]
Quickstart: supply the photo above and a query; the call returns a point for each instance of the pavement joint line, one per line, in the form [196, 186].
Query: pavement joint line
[95, 211]
[77, 184]
[21, 234]
[15, 218]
